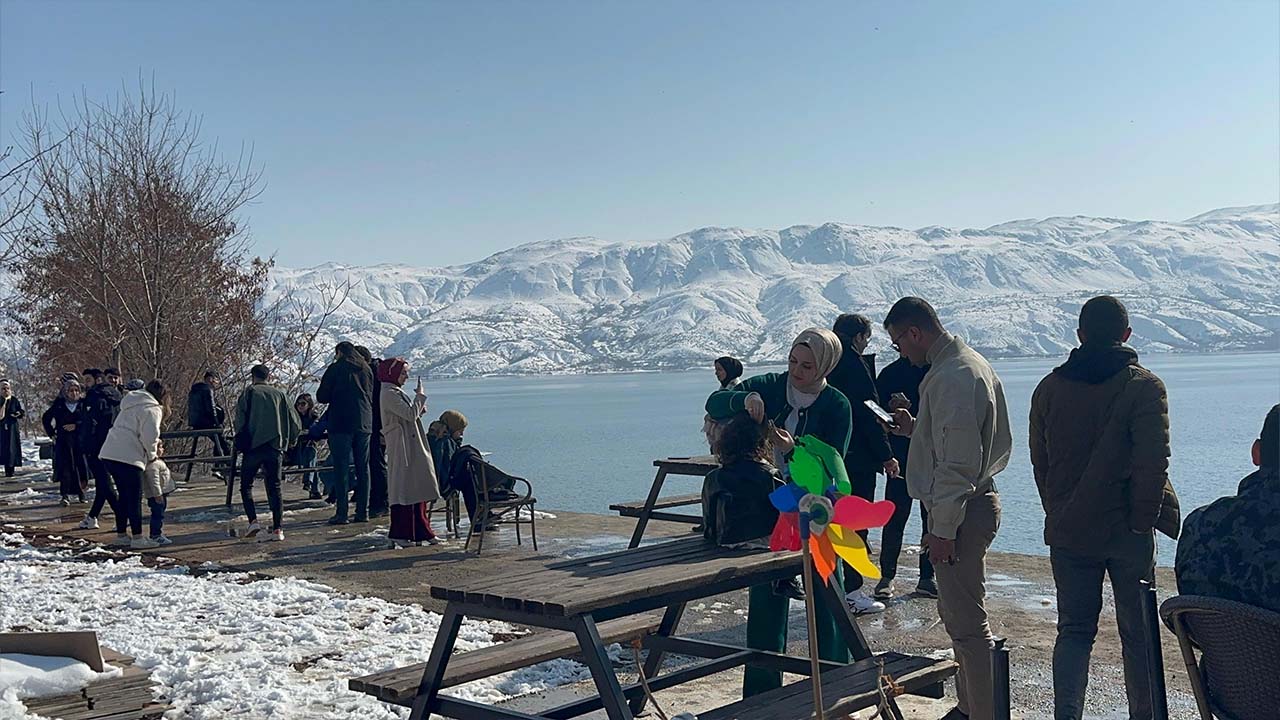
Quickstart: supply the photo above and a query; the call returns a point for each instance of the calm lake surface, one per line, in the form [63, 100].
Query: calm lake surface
[588, 441]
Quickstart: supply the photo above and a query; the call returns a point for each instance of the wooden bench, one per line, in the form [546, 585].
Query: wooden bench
[399, 685]
[644, 510]
[844, 690]
[126, 697]
[633, 509]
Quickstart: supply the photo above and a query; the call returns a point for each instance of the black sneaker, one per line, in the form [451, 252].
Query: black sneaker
[955, 714]
[314, 495]
[335, 520]
[884, 589]
[927, 590]
[360, 519]
[382, 512]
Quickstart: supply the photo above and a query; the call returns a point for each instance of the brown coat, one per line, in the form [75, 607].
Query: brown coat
[1100, 451]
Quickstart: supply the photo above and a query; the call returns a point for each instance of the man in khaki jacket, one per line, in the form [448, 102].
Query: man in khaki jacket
[1099, 438]
[959, 442]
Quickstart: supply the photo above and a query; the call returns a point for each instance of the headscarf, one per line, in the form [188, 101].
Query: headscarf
[389, 369]
[827, 348]
[732, 369]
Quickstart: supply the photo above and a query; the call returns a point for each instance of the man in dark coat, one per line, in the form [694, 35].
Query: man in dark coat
[869, 452]
[347, 388]
[899, 387]
[1099, 439]
[378, 506]
[204, 413]
[102, 403]
[1229, 547]
[11, 412]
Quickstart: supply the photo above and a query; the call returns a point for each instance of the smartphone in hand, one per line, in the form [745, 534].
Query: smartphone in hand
[883, 415]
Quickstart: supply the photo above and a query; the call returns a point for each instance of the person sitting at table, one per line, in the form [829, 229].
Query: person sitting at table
[797, 402]
[735, 496]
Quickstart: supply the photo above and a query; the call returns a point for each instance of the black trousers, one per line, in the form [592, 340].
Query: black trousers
[105, 490]
[377, 476]
[895, 491]
[863, 483]
[268, 460]
[128, 481]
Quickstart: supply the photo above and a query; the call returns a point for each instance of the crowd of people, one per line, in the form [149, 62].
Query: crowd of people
[1099, 440]
[381, 459]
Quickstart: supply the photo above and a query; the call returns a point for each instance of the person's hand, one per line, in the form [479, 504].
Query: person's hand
[782, 440]
[891, 469]
[899, 401]
[904, 422]
[755, 407]
[940, 550]
[69, 427]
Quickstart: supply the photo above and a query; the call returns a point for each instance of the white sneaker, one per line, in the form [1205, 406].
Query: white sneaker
[143, 543]
[860, 604]
[254, 528]
[88, 523]
[65, 501]
[161, 540]
[120, 541]
[276, 535]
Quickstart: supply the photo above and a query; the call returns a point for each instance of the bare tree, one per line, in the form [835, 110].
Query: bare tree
[138, 257]
[298, 335]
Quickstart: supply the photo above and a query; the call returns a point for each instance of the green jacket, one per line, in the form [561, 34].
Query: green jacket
[273, 419]
[829, 418]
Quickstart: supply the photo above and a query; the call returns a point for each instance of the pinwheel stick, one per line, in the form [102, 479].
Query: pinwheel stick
[810, 591]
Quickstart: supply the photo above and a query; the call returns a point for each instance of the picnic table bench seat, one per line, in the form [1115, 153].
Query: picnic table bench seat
[634, 508]
[399, 685]
[844, 690]
[651, 508]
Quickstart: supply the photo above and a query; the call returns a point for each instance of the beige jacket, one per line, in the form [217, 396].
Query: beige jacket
[411, 473]
[961, 437]
[157, 480]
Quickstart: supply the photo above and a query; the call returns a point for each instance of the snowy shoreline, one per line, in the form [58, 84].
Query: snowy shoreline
[224, 644]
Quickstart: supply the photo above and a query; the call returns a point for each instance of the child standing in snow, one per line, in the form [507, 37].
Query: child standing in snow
[157, 483]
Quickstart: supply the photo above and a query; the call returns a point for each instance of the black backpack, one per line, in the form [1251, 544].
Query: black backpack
[735, 502]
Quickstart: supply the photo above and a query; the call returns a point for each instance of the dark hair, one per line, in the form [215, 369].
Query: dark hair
[211, 374]
[94, 373]
[345, 349]
[1270, 438]
[741, 438]
[1104, 319]
[158, 391]
[112, 371]
[913, 312]
[850, 325]
[732, 367]
[364, 353]
[260, 372]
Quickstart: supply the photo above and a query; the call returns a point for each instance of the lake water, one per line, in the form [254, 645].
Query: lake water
[588, 441]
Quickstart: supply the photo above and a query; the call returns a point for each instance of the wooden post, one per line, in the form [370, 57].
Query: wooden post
[810, 611]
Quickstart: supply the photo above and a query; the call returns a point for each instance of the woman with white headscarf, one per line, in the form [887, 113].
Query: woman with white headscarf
[798, 402]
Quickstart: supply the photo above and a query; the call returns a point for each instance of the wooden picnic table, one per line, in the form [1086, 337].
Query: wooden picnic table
[606, 598]
[654, 506]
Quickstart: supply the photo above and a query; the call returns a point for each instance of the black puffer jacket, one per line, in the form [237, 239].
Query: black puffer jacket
[735, 502]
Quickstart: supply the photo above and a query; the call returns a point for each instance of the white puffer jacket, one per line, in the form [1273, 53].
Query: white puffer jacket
[135, 434]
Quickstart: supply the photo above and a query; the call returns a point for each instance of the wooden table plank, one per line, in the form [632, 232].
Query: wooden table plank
[666, 502]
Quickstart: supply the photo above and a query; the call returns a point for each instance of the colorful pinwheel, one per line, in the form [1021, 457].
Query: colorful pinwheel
[816, 509]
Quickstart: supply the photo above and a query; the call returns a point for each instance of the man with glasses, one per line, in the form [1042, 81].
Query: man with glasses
[959, 442]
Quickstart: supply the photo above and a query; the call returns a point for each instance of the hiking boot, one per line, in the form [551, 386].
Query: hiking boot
[884, 589]
[142, 543]
[860, 604]
[88, 523]
[927, 589]
[161, 539]
[254, 528]
[120, 541]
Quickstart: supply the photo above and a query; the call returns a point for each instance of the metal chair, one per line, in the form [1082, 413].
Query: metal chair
[499, 503]
[1239, 644]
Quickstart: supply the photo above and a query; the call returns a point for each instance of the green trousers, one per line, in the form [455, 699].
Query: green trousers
[767, 616]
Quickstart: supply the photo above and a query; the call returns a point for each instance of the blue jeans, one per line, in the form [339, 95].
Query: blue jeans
[1128, 558]
[305, 456]
[345, 449]
[157, 505]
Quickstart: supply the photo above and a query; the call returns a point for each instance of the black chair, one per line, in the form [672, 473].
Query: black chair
[1239, 646]
[499, 502]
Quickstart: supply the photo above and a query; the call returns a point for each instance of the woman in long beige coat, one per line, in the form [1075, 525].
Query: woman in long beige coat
[411, 473]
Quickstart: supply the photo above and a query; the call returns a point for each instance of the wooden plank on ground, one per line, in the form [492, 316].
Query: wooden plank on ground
[399, 685]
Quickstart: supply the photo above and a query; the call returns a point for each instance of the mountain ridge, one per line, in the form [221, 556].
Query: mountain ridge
[588, 304]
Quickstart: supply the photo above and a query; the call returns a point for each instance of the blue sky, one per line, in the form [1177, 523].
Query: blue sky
[438, 133]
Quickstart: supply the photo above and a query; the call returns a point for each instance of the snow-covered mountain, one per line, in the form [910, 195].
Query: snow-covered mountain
[584, 304]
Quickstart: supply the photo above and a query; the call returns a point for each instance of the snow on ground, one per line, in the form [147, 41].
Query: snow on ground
[31, 456]
[28, 496]
[31, 676]
[224, 645]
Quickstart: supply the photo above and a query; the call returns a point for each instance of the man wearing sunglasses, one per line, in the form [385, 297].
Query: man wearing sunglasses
[959, 442]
